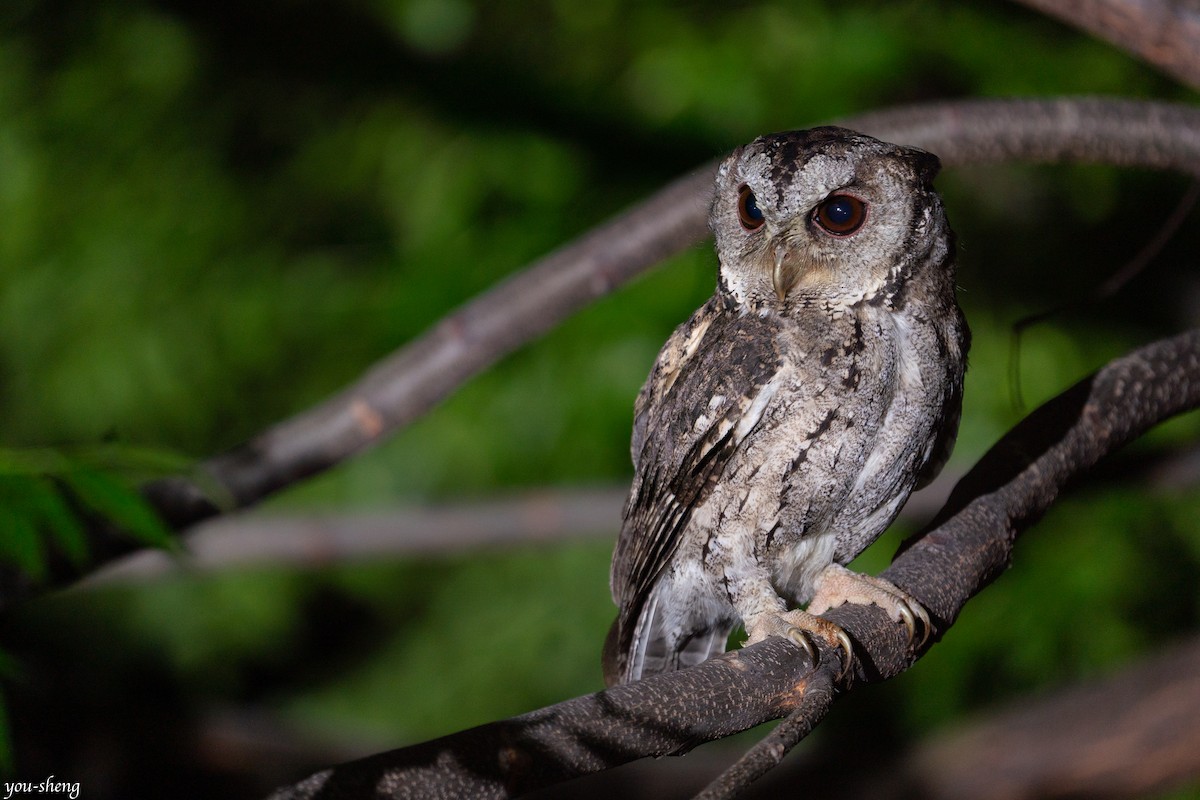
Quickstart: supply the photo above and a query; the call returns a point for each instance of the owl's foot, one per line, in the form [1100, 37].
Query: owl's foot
[837, 585]
[800, 626]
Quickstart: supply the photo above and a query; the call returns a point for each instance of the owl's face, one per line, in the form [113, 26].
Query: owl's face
[823, 215]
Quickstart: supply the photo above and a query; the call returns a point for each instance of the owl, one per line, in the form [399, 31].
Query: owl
[784, 425]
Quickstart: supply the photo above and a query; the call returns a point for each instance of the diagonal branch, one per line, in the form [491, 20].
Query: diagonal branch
[1165, 33]
[1133, 733]
[970, 541]
[415, 378]
[966, 548]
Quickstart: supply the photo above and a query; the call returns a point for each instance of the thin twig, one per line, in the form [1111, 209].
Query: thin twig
[770, 751]
[1108, 288]
[319, 539]
[546, 516]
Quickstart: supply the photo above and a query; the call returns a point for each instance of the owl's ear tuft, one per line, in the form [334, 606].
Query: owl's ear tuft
[927, 164]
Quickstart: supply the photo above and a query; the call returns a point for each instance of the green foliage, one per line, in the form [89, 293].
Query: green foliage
[47, 498]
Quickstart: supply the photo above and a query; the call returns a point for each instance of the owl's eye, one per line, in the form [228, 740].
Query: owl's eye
[840, 214]
[748, 211]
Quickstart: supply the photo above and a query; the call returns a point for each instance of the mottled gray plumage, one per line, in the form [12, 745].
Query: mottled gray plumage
[785, 424]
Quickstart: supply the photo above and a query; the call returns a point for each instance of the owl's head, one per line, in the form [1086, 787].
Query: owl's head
[825, 215]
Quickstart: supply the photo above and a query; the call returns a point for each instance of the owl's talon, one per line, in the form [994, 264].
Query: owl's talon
[837, 638]
[847, 648]
[926, 624]
[915, 618]
[910, 621]
[802, 628]
[838, 585]
[802, 638]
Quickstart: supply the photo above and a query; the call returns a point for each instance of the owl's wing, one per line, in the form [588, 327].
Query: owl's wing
[694, 411]
[947, 426]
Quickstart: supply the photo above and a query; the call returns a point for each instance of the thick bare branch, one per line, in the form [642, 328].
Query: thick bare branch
[1121, 735]
[406, 384]
[1131, 734]
[770, 751]
[1006, 492]
[1162, 32]
[662, 715]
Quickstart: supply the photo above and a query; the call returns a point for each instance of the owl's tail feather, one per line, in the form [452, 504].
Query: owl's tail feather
[652, 648]
[704, 646]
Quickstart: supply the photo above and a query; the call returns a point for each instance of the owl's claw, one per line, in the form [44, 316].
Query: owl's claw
[800, 627]
[838, 585]
[800, 637]
[803, 638]
[911, 610]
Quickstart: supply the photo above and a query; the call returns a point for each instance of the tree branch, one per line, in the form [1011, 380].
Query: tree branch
[411, 381]
[1163, 33]
[1133, 731]
[543, 516]
[312, 540]
[307, 539]
[1129, 734]
[959, 554]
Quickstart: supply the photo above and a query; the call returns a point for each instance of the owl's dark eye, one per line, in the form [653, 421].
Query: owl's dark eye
[748, 211]
[840, 214]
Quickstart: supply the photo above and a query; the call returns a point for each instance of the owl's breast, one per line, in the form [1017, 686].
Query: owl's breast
[867, 398]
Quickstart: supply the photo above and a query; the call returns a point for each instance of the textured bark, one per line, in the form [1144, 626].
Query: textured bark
[662, 715]
[963, 550]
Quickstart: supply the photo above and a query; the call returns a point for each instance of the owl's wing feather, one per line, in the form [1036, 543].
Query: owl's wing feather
[690, 418]
[947, 428]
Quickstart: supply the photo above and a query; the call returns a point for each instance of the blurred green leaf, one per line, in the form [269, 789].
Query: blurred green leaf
[20, 543]
[45, 501]
[112, 499]
[46, 493]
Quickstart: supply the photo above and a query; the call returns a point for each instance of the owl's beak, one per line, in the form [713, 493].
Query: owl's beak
[783, 276]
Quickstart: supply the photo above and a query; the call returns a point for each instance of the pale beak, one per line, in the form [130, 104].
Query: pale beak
[783, 276]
